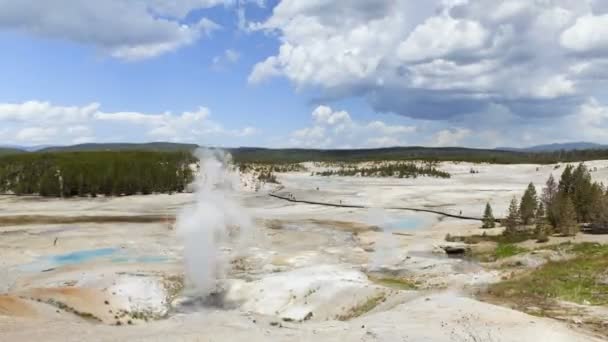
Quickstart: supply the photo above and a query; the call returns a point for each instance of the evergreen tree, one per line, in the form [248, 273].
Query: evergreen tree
[566, 182]
[512, 221]
[598, 210]
[567, 225]
[582, 192]
[548, 198]
[528, 205]
[542, 225]
[488, 217]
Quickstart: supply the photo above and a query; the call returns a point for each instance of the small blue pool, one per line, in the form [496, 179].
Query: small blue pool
[404, 222]
[81, 256]
[116, 255]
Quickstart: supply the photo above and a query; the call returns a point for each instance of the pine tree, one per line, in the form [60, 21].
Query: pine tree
[528, 205]
[567, 217]
[582, 192]
[488, 217]
[542, 225]
[566, 182]
[548, 198]
[512, 221]
[598, 210]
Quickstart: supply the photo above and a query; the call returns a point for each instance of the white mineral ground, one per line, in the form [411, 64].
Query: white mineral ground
[305, 263]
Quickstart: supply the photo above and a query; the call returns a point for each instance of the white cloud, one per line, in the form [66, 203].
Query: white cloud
[72, 124]
[450, 137]
[554, 87]
[325, 116]
[441, 36]
[336, 129]
[440, 59]
[45, 112]
[126, 29]
[588, 34]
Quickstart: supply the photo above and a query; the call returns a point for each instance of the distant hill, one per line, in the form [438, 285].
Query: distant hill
[545, 154]
[557, 147]
[153, 146]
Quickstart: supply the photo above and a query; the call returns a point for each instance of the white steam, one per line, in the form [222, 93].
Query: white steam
[214, 219]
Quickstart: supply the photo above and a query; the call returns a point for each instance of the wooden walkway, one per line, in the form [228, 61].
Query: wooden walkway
[356, 206]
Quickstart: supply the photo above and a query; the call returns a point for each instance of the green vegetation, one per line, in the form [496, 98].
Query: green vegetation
[505, 250]
[401, 170]
[362, 308]
[542, 224]
[286, 156]
[580, 280]
[512, 221]
[395, 282]
[528, 205]
[514, 237]
[5, 151]
[262, 155]
[68, 174]
[576, 199]
[267, 177]
[563, 207]
[488, 217]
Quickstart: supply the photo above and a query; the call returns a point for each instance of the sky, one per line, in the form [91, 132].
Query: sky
[304, 73]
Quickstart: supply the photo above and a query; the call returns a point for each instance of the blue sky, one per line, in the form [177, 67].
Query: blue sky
[320, 73]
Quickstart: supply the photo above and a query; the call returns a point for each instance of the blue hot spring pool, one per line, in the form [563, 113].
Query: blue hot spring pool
[405, 222]
[115, 255]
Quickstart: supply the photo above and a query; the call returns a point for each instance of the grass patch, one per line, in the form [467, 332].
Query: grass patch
[395, 283]
[502, 251]
[500, 239]
[362, 308]
[577, 280]
[505, 250]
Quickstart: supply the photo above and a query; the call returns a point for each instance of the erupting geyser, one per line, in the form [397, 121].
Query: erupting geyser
[215, 217]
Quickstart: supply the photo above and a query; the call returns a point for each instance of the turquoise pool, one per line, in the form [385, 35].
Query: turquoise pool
[116, 255]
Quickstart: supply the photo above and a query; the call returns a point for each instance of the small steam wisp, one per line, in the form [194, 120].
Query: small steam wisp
[213, 219]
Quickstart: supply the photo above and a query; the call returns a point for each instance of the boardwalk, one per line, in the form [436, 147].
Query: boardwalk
[356, 206]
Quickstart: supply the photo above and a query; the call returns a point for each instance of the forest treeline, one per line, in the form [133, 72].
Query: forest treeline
[401, 170]
[456, 154]
[407, 153]
[69, 174]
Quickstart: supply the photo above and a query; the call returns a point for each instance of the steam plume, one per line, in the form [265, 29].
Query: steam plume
[215, 217]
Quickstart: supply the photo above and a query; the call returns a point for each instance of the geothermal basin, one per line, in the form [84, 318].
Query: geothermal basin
[263, 269]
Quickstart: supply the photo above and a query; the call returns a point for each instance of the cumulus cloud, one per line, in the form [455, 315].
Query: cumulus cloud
[126, 29]
[588, 34]
[336, 129]
[443, 59]
[450, 137]
[42, 122]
